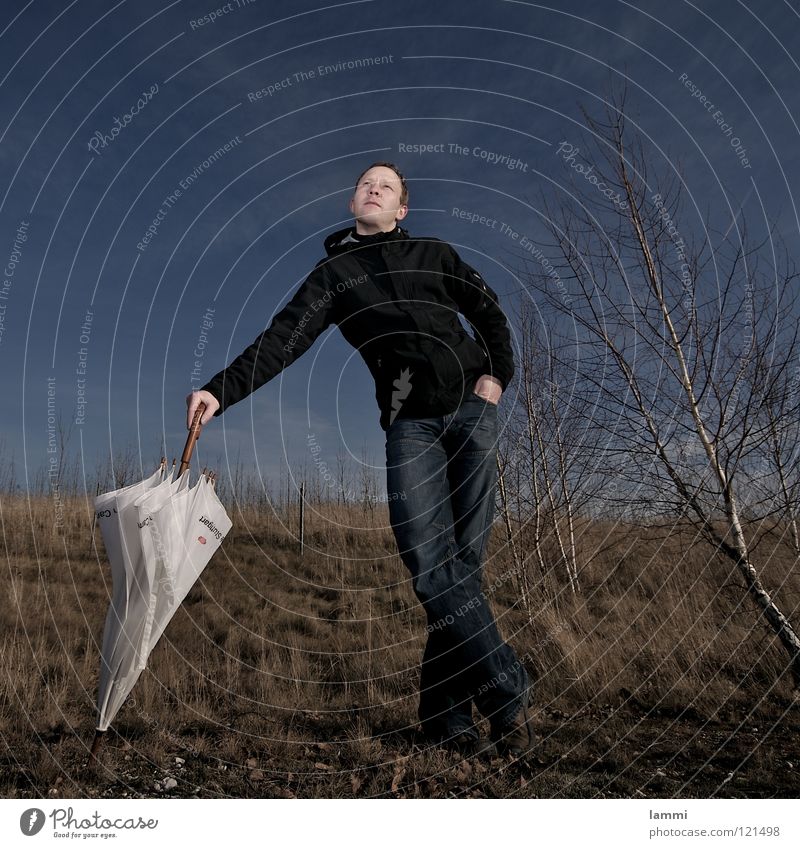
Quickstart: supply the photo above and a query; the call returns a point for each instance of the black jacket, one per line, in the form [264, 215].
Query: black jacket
[396, 299]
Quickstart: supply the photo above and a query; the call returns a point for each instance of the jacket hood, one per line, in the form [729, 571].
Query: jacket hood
[347, 239]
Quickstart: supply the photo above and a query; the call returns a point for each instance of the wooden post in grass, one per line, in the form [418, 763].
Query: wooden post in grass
[302, 516]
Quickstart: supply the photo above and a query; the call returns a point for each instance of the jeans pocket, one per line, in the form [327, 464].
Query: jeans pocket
[483, 399]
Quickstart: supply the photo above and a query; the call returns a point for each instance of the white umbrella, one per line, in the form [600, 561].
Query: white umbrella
[185, 531]
[123, 631]
[125, 636]
[159, 535]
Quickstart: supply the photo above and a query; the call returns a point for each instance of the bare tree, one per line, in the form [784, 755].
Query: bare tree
[551, 441]
[502, 459]
[781, 481]
[684, 344]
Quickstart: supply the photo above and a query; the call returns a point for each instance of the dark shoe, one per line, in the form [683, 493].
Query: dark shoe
[515, 737]
[476, 746]
[464, 743]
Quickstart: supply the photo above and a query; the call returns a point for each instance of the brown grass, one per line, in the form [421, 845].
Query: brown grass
[286, 676]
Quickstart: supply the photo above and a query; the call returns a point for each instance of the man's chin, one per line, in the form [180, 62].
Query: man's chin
[376, 219]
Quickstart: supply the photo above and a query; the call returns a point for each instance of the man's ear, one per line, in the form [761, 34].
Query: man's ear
[401, 213]
[350, 206]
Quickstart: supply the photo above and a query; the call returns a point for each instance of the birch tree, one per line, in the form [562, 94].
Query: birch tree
[686, 341]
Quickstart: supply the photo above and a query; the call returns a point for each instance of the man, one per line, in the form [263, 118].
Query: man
[396, 299]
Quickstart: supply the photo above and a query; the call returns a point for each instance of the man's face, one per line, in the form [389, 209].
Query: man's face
[375, 203]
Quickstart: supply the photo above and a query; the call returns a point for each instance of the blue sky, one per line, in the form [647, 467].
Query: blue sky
[498, 79]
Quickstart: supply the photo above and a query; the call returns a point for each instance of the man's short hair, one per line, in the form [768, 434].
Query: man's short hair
[393, 167]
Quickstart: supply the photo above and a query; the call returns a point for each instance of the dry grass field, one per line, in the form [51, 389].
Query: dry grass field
[288, 676]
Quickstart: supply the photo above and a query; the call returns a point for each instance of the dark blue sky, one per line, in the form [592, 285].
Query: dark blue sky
[236, 231]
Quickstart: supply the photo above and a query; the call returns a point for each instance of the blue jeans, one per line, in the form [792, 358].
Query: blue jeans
[441, 476]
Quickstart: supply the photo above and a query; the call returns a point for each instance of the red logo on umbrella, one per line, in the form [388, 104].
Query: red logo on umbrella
[201, 539]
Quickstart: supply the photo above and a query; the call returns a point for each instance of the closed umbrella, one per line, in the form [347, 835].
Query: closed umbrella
[185, 531]
[124, 625]
[159, 534]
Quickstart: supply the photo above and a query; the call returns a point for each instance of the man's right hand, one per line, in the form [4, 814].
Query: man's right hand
[193, 400]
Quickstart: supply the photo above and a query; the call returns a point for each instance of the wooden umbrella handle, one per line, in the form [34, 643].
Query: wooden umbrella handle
[194, 434]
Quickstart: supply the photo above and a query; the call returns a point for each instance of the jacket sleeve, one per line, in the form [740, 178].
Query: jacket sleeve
[478, 303]
[291, 333]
